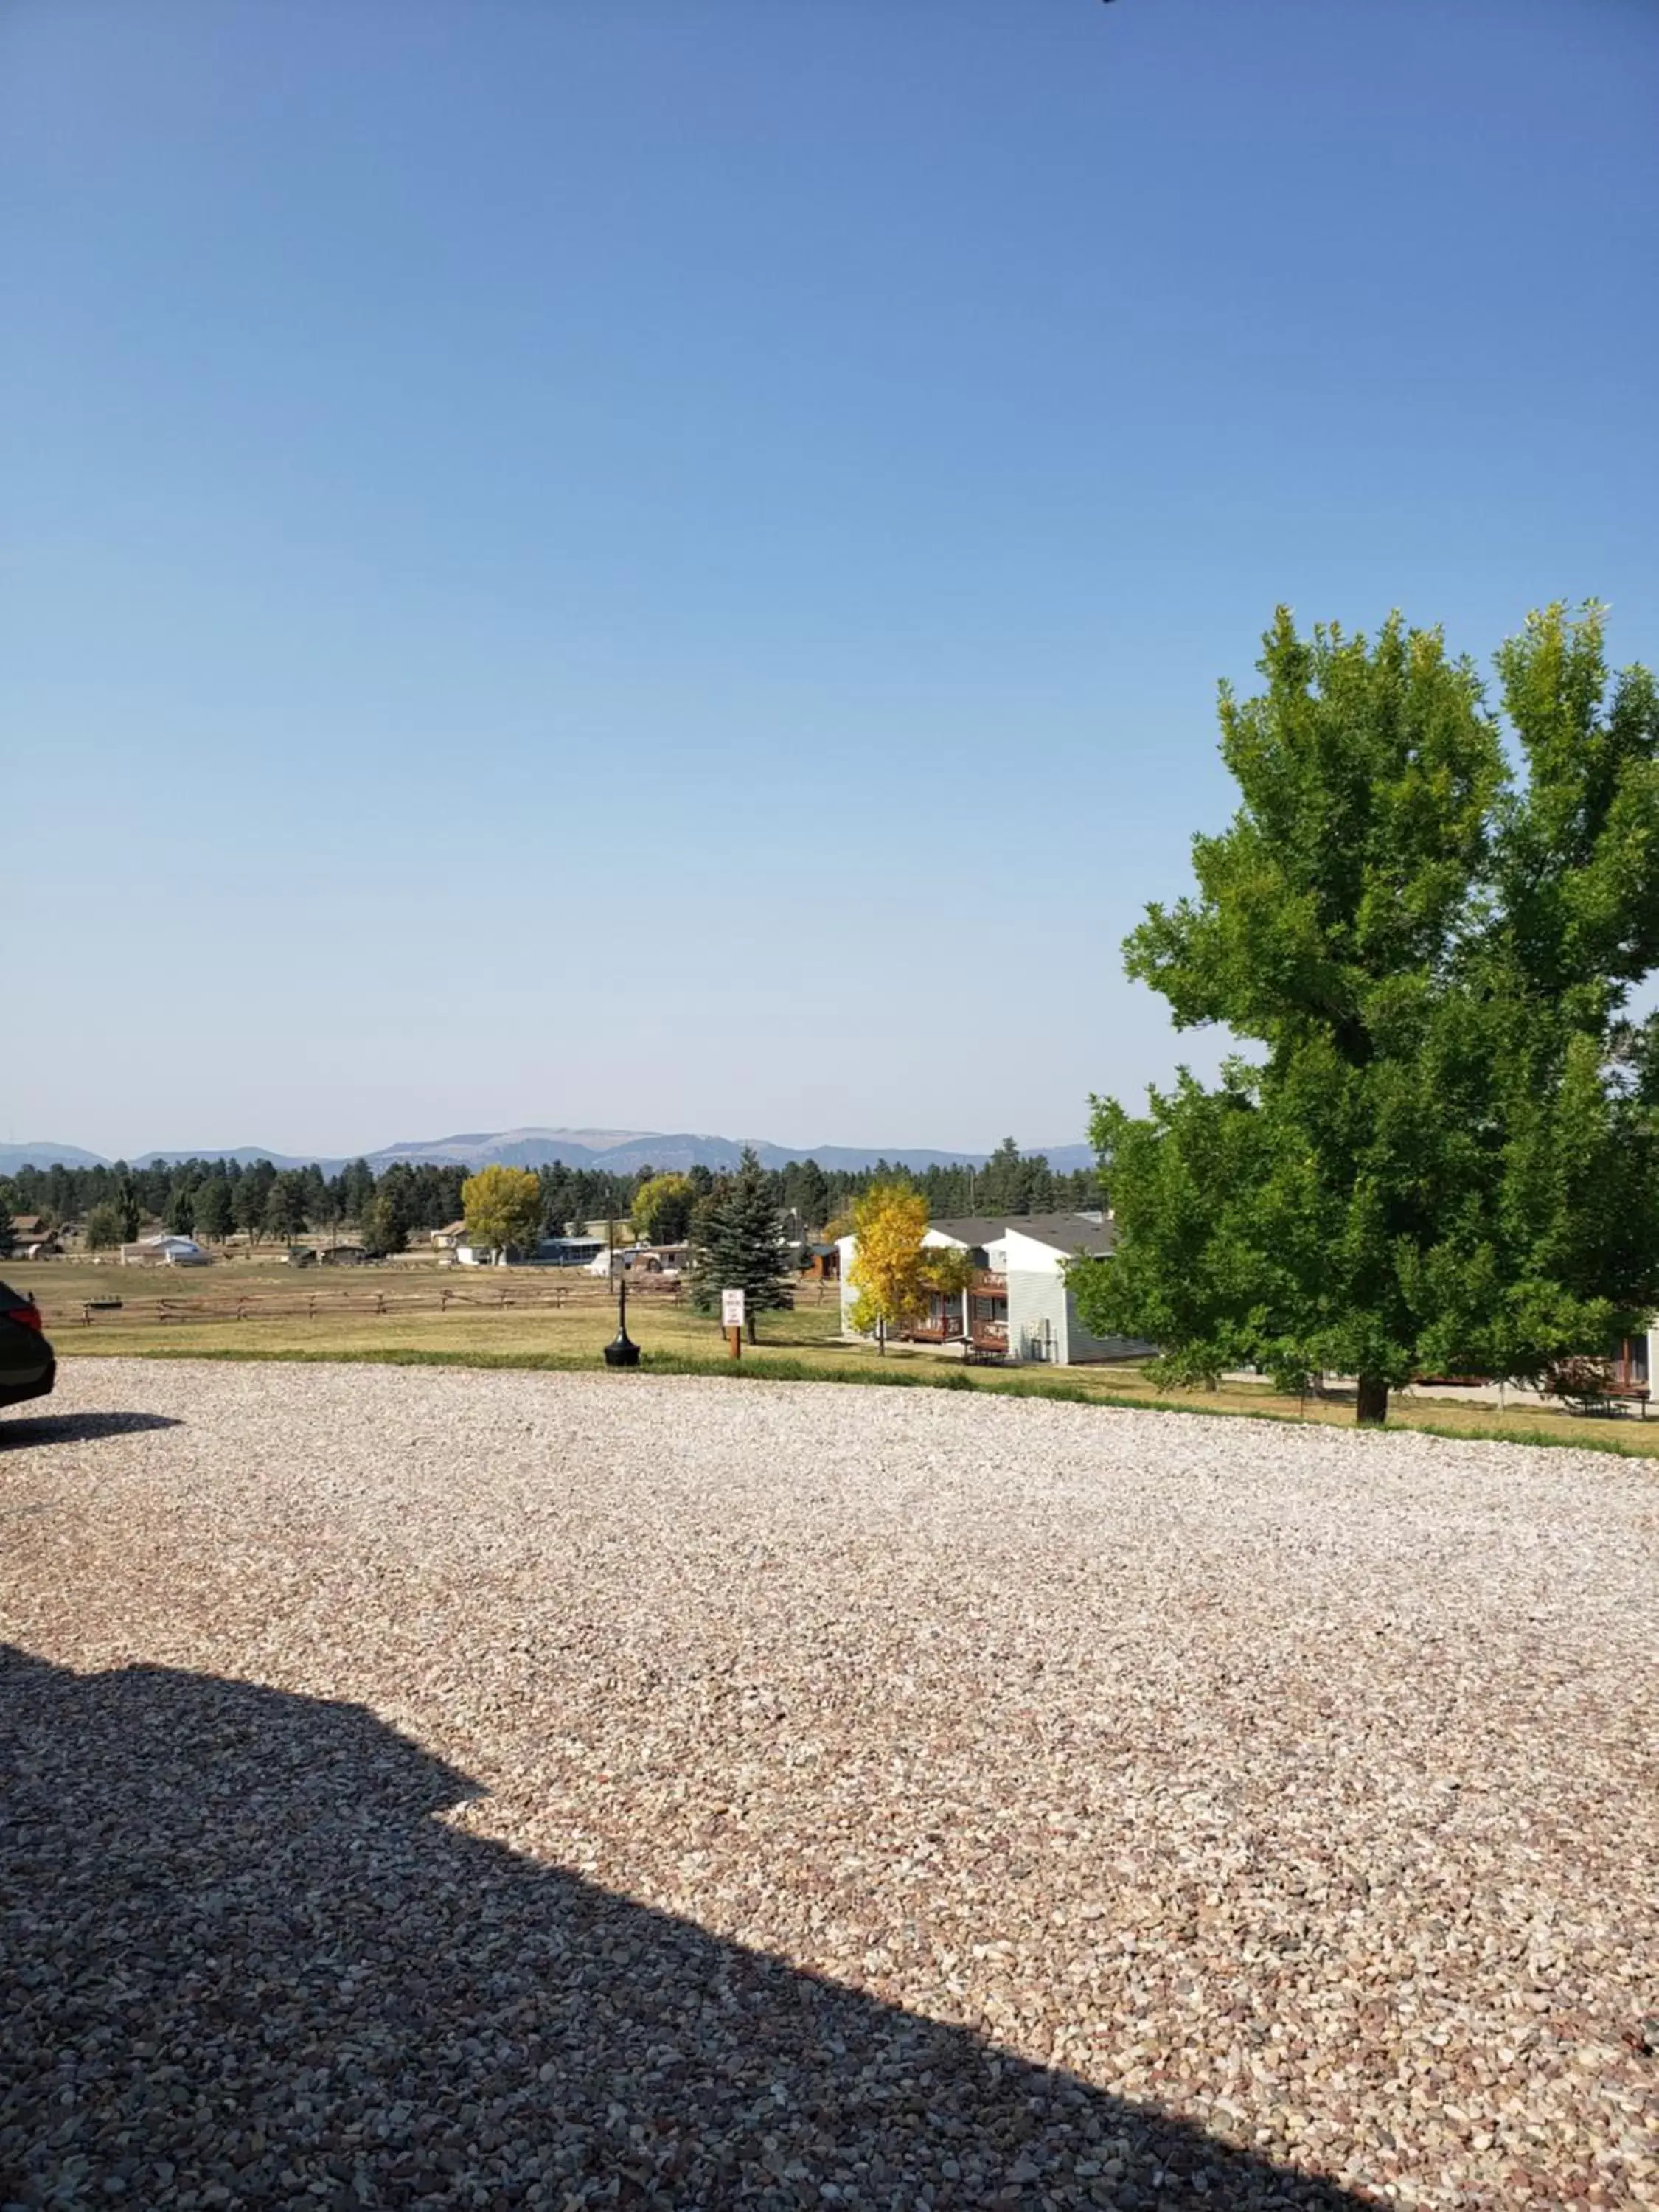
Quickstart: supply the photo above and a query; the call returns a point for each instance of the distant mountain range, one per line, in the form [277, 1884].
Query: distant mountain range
[619, 1150]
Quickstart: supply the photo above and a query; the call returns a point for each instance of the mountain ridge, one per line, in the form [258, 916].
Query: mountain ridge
[625, 1151]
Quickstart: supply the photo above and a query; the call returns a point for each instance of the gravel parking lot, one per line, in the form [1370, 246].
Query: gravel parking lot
[492, 1789]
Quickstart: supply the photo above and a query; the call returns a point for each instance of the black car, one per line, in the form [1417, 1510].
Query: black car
[27, 1369]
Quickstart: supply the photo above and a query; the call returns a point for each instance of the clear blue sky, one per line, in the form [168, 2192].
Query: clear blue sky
[664, 563]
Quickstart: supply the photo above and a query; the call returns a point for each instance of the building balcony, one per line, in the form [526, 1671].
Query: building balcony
[933, 1332]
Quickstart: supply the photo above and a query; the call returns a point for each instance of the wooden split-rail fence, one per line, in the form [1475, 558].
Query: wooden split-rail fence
[572, 1295]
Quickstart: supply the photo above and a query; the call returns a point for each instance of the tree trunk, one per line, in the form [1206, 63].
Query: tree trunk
[1371, 1405]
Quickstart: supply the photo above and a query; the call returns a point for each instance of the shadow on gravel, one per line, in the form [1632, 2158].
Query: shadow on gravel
[17, 1430]
[244, 1964]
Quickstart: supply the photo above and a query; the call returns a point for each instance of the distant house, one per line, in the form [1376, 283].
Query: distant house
[1018, 1302]
[33, 1238]
[1635, 1367]
[167, 1250]
[546, 1252]
[446, 1238]
[669, 1261]
[666, 1259]
[341, 1255]
[565, 1251]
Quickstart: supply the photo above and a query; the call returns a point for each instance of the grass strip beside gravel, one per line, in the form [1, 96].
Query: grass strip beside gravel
[761, 1367]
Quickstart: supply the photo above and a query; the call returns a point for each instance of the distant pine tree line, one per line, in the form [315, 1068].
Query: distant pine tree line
[212, 1200]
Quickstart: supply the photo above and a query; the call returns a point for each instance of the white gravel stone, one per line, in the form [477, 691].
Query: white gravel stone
[433, 1787]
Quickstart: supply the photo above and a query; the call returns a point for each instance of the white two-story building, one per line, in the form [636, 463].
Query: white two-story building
[1018, 1302]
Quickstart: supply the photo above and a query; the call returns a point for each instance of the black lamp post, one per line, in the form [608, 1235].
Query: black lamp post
[622, 1351]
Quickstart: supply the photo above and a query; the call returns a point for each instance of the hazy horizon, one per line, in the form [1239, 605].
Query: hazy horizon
[680, 558]
[586, 1135]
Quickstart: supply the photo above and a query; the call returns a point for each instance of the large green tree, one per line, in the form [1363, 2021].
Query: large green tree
[1448, 1159]
[661, 1211]
[737, 1244]
[103, 1229]
[502, 1207]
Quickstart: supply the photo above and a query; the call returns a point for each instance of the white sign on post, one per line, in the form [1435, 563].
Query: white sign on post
[730, 1308]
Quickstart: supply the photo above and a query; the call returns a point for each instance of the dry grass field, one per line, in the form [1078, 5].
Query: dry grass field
[412, 1312]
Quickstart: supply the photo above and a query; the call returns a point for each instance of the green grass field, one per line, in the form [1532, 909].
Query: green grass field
[529, 1330]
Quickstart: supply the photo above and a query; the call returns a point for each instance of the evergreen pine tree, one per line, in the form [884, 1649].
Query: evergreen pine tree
[738, 1245]
[128, 1211]
[999, 1181]
[811, 1194]
[247, 1208]
[212, 1209]
[285, 1207]
[389, 1216]
[356, 1190]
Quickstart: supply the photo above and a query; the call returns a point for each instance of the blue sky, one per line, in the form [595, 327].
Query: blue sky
[665, 563]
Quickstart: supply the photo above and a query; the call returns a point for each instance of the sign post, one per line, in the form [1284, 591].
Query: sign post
[732, 1317]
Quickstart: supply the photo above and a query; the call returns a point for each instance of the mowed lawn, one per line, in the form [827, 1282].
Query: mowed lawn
[414, 1311]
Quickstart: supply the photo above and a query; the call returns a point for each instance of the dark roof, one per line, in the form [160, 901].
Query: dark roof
[1067, 1232]
[973, 1229]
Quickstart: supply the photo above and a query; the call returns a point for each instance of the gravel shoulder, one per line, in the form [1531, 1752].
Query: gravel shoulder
[426, 1786]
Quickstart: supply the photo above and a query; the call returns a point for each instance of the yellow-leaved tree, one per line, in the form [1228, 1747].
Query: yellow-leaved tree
[661, 1212]
[893, 1271]
[503, 1208]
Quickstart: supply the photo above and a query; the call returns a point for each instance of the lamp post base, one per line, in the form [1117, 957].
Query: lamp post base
[622, 1351]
